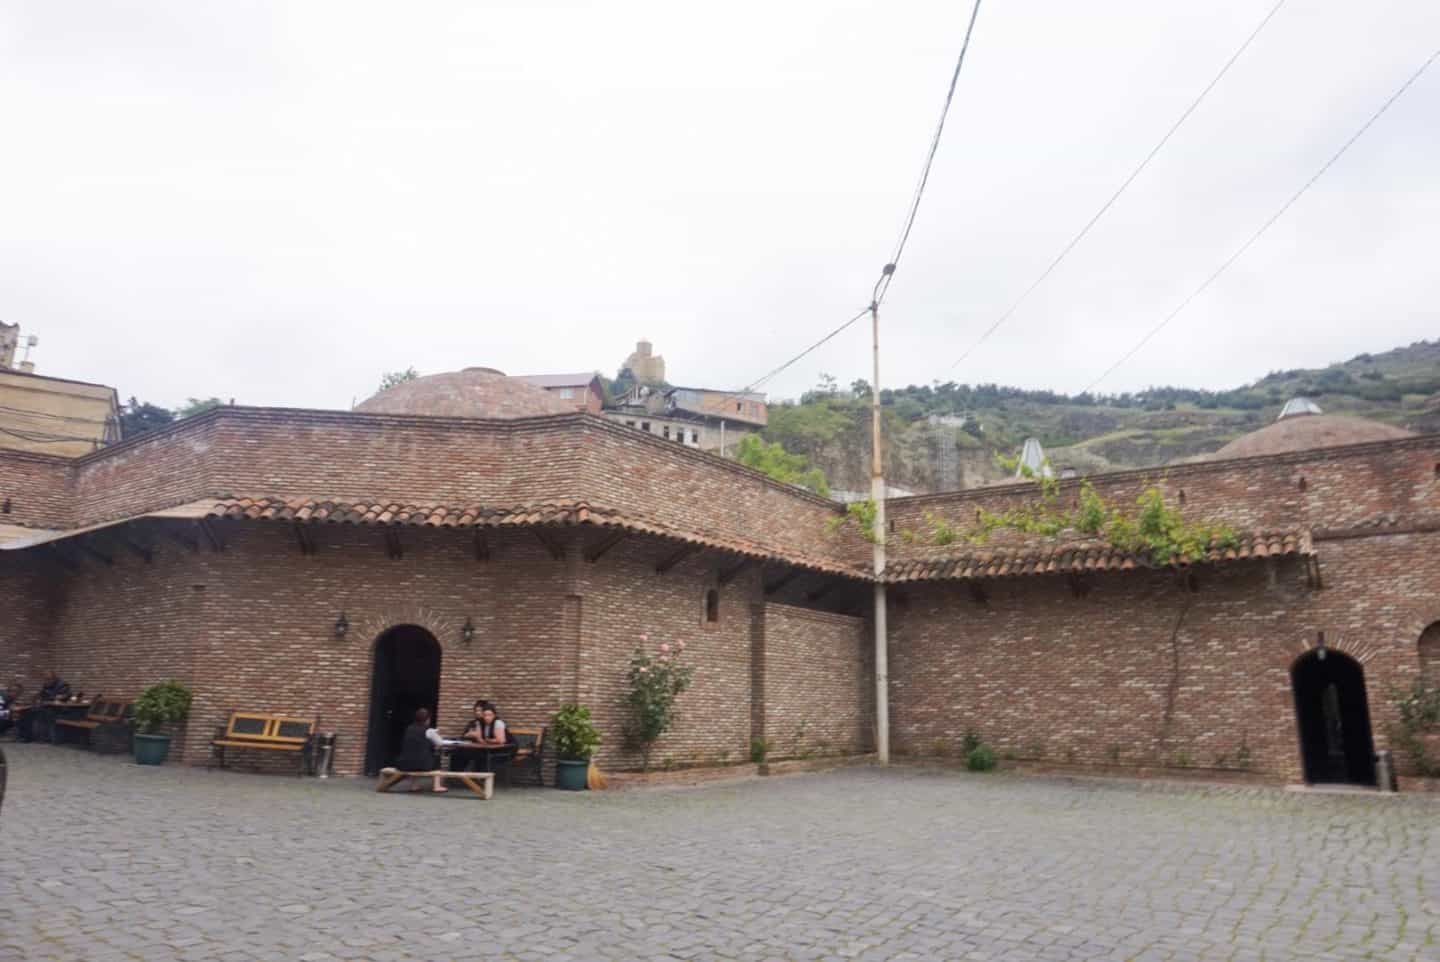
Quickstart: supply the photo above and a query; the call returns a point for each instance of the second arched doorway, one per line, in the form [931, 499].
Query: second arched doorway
[1333, 715]
[405, 676]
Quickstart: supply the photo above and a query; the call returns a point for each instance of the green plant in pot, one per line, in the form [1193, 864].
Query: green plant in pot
[575, 740]
[159, 706]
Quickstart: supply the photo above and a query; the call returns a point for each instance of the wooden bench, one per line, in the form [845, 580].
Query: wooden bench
[105, 728]
[267, 732]
[529, 753]
[481, 783]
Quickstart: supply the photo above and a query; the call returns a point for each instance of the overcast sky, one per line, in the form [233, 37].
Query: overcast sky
[277, 202]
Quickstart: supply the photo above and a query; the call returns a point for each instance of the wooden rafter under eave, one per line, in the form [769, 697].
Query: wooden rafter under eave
[597, 551]
[552, 544]
[783, 580]
[84, 545]
[734, 571]
[823, 590]
[675, 557]
[211, 535]
[138, 547]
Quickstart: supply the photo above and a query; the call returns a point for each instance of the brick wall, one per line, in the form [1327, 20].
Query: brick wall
[818, 687]
[1341, 487]
[272, 452]
[1041, 673]
[252, 627]
[27, 620]
[37, 489]
[624, 597]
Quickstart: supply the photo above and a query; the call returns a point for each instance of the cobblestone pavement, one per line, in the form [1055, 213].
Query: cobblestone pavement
[103, 860]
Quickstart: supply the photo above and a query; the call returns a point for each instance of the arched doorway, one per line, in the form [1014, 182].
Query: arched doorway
[1333, 715]
[406, 676]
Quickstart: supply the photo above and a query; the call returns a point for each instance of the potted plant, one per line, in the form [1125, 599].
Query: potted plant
[575, 740]
[167, 703]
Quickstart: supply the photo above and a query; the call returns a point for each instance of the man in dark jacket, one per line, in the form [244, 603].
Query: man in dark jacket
[54, 689]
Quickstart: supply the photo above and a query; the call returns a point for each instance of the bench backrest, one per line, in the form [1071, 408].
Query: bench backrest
[267, 727]
[105, 710]
[529, 739]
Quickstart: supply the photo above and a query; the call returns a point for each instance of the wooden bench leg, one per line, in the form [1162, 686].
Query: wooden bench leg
[484, 787]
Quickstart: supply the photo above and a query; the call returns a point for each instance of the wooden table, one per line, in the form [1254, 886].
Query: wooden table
[44, 728]
[488, 751]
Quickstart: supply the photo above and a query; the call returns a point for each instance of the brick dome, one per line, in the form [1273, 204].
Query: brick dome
[1300, 432]
[475, 392]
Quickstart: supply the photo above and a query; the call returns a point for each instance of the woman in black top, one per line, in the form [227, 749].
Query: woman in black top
[471, 759]
[417, 751]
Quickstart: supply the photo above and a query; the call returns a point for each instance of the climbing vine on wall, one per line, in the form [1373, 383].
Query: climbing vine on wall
[1152, 528]
[859, 513]
[1419, 711]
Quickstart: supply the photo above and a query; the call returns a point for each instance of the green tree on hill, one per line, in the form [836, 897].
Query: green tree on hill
[772, 459]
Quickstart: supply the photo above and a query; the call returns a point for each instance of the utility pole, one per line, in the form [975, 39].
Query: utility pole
[877, 495]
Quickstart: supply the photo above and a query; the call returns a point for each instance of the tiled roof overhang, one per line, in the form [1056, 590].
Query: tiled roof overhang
[1080, 558]
[548, 514]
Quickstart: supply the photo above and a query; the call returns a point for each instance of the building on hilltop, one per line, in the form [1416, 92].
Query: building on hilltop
[469, 535]
[644, 365]
[696, 417]
[9, 342]
[583, 391]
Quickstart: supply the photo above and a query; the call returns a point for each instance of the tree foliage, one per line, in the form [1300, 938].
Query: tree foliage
[391, 378]
[195, 405]
[137, 417]
[772, 458]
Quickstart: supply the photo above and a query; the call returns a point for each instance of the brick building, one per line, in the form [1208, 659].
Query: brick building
[474, 537]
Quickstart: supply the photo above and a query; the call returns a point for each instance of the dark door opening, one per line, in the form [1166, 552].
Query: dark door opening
[1334, 719]
[406, 676]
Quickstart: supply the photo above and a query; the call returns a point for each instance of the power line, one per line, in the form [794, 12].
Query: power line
[1267, 224]
[915, 199]
[883, 284]
[759, 381]
[1065, 251]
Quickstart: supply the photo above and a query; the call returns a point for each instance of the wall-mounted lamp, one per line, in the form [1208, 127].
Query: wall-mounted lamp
[1320, 647]
[467, 631]
[342, 625]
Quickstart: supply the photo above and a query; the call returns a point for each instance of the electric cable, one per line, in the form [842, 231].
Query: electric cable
[1267, 224]
[884, 284]
[1095, 218]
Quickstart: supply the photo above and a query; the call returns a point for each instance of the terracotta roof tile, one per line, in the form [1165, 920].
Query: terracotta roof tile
[1060, 558]
[321, 511]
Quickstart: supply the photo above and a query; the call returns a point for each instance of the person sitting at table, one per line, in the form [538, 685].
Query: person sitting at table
[53, 690]
[495, 741]
[9, 707]
[417, 751]
[471, 759]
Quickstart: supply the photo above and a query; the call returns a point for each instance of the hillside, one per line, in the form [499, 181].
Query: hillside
[945, 436]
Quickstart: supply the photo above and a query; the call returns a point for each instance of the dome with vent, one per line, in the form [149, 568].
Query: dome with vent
[1302, 426]
[475, 392]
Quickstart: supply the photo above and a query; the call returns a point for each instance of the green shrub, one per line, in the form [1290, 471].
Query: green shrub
[970, 741]
[980, 759]
[575, 735]
[167, 703]
[759, 749]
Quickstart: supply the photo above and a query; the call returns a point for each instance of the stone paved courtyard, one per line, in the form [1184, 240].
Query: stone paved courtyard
[102, 860]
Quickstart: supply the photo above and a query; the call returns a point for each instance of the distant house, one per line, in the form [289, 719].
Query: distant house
[695, 417]
[51, 415]
[581, 390]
